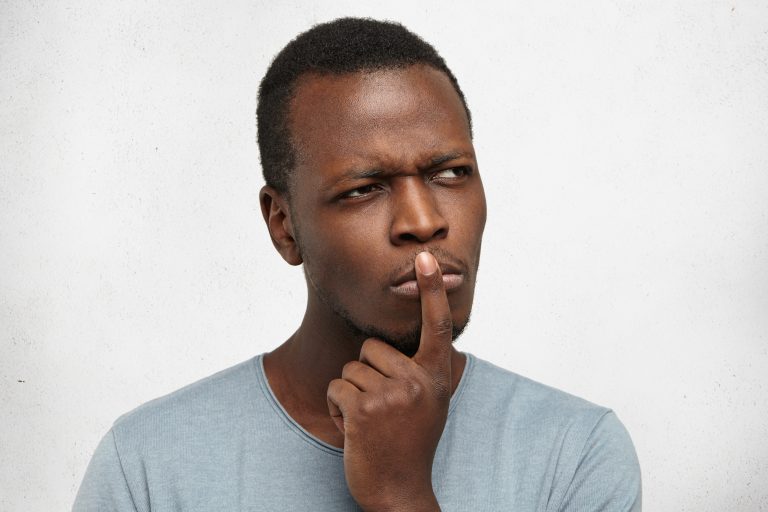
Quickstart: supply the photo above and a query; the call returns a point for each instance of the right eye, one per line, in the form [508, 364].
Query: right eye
[360, 191]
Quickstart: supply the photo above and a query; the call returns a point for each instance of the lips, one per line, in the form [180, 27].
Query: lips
[406, 285]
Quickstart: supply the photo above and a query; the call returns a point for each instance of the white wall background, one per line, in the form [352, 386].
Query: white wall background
[624, 147]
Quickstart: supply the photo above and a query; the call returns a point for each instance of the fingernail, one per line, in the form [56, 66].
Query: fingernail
[426, 262]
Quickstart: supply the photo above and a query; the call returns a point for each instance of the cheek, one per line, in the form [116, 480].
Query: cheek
[467, 220]
[341, 255]
[473, 225]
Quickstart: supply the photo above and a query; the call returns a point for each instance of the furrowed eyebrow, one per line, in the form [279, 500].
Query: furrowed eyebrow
[441, 159]
[360, 174]
[353, 175]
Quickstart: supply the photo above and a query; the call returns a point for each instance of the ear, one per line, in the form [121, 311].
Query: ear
[277, 215]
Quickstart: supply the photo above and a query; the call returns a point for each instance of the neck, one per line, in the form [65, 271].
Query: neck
[312, 357]
[300, 369]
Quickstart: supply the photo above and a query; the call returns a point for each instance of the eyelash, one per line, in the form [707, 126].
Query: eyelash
[367, 188]
[463, 170]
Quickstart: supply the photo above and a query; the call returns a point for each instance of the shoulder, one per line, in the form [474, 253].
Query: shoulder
[194, 407]
[494, 390]
[583, 447]
[165, 439]
[499, 394]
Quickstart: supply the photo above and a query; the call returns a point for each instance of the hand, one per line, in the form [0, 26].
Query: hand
[392, 409]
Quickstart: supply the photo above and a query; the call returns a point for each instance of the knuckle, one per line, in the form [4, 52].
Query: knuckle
[406, 394]
[350, 369]
[415, 391]
[368, 408]
[333, 388]
[369, 349]
[442, 390]
[443, 327]
[369, 345]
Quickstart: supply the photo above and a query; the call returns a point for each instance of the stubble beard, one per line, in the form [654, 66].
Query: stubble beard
[406, 342]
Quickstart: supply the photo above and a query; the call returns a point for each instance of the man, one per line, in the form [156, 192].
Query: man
[372, 185]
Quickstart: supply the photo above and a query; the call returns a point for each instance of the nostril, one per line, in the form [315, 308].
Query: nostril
[415, 237]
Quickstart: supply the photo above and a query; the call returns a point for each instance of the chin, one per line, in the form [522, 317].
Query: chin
[406, 341]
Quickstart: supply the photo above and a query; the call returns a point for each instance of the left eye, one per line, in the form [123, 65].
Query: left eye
[452, 173]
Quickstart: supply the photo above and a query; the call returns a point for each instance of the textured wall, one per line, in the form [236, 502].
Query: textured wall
[624, 147]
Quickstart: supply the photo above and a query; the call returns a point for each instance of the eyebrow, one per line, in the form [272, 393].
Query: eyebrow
[447, 157]
[358, 174]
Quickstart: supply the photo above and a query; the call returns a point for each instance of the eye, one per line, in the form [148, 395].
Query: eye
[452, 173]
[360, 191]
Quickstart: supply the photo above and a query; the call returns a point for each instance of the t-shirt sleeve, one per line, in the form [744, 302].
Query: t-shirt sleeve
[104, 487]
[607, 477]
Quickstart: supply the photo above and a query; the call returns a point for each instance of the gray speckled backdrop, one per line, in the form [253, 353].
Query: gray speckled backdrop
[624, 147]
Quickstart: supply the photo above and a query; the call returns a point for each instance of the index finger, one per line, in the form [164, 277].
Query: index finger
[436, 322]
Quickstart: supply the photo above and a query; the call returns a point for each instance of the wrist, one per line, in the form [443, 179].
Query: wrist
[421, 502]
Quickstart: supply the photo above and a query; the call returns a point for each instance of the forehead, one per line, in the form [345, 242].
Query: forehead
[389, 117]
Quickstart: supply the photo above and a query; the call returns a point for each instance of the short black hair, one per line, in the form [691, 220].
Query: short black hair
[342, 46]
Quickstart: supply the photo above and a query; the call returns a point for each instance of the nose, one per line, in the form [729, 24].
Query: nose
[415, 215]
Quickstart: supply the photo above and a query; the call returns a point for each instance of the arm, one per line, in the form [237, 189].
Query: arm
[607, 477]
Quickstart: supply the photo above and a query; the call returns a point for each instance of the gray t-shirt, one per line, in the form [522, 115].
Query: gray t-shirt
[225, 443]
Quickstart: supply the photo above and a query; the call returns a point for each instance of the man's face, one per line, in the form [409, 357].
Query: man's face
[385, 169]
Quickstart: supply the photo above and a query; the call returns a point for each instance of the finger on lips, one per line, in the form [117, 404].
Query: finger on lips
[379, 361]
[436, 321]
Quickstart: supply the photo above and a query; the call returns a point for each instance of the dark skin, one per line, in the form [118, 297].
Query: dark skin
[386, 212]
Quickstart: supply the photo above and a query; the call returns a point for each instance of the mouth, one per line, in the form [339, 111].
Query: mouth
[406, 285]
